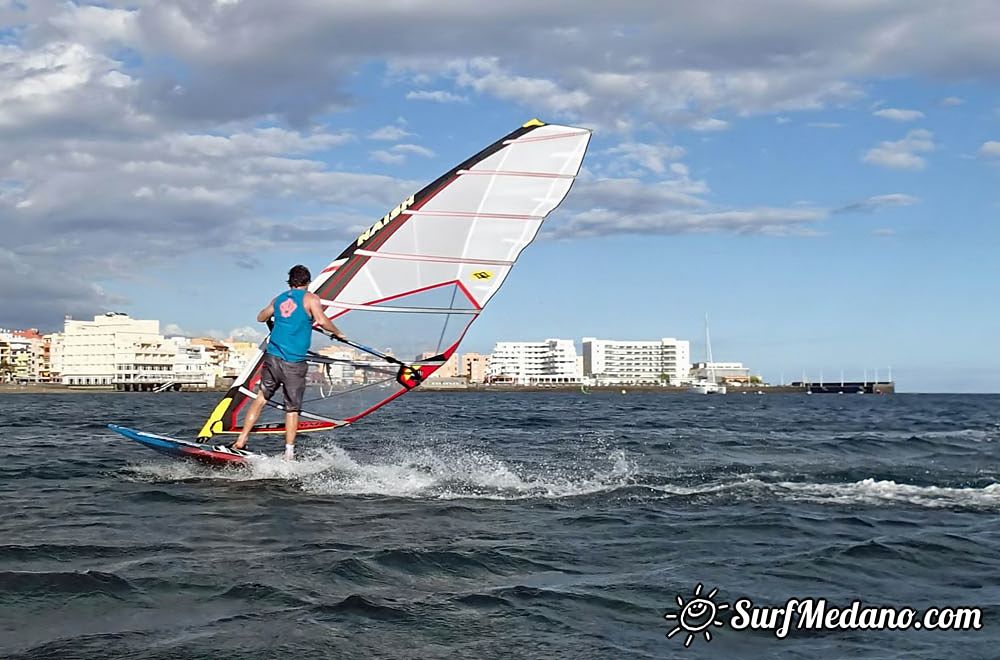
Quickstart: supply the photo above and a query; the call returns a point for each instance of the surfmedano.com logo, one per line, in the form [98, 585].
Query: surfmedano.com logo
[698, 615]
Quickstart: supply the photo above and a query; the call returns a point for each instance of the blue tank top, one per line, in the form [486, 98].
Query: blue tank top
[292, 332]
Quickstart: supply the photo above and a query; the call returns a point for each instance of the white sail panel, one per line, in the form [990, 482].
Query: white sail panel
[548, 150]
[483, 238]
[504, 196]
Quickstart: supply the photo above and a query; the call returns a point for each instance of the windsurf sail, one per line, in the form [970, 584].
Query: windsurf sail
[413, 282]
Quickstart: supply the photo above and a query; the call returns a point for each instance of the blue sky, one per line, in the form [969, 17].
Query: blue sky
[824, 186]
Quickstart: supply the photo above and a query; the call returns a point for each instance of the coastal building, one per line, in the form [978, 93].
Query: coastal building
[192, 366]
[55, 349]
[548, 362]
[116, 351]
[664, 361]
[6, 357]
[18, 356]
[238, 355]
[25, 356]
[720, 372]
[475, 367]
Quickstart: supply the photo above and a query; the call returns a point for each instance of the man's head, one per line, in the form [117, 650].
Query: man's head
[299, 276]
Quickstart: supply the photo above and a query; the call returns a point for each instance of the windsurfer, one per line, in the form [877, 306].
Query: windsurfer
[294, 313]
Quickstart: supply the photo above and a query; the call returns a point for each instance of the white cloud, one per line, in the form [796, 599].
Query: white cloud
[990, 149]
[388, 157]
[653, 157]
[672, 205]
[246, 333]
[437, 96]
[763, 220]
[174, 330]
[952, 101]
[414, 149]
[879, 201]
[710, 124]
[63, 83]
[885, 233]
[824, 124]
[486, 76]
[398, 153]
[389, 133]
[902, 154]
[97, 26]
[898, 114]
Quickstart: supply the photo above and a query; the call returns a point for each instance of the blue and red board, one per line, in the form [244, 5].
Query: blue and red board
[185, 448]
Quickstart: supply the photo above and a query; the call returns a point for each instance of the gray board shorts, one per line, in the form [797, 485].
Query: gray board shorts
[290, 375]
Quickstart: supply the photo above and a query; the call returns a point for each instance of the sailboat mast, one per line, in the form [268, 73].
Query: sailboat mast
[708, 354]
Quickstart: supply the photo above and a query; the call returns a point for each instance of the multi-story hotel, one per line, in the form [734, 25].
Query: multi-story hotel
[618, 362]
[115, 350]
[548, 362]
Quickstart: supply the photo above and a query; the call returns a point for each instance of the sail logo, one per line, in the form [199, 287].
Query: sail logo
[384, 220]
[482, 274]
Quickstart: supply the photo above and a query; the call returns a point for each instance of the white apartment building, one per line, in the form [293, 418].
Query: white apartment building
[664, 361]
[548, 362]
[192, 365]
[115, 350]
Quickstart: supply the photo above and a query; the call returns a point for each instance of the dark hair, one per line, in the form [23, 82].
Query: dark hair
[299, 276]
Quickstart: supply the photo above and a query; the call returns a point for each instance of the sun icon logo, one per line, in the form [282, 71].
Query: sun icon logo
[696, 615]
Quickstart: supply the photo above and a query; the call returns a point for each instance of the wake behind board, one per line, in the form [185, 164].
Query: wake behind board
[177, 448]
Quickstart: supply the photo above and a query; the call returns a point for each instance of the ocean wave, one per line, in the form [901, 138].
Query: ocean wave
[64, 582]
[872, 491]
[868, 491]
[446, 473]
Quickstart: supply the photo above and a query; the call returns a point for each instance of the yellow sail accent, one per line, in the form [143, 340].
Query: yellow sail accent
[208, 431]
[533, 122]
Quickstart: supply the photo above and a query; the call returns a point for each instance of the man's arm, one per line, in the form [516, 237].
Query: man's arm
[266, 313]
[315, 310]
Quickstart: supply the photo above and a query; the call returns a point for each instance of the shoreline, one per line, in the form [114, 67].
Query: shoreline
[881, 389]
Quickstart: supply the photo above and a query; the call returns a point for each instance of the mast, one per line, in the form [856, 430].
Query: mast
[709, 373]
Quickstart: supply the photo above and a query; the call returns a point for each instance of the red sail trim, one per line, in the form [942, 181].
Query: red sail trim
[435, 259]
[557, 136]
[465, 292]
